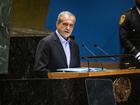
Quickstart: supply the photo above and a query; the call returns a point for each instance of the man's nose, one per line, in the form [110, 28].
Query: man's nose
[68, 26]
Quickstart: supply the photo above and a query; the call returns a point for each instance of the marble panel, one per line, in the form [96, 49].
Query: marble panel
[4, 35]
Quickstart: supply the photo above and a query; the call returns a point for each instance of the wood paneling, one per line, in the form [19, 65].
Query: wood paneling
[29, 13]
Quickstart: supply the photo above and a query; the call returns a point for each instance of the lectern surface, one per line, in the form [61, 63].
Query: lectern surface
[112, 72]
[82, 69]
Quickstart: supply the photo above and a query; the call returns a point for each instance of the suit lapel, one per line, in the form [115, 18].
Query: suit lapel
[60, 48]
[71, 51]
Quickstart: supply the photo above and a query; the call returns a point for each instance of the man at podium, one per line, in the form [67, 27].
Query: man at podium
[58, 50]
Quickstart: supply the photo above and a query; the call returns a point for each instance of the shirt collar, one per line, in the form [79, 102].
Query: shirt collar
[63, 40]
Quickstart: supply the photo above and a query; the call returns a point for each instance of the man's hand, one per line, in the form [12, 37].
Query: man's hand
[138, 56]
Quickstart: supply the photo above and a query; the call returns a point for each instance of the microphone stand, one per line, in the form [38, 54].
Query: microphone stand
[87, 62]
[90, 51]
[103, 51]
[87, 59]
[107, 56]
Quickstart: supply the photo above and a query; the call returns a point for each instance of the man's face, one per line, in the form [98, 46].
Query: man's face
[65, 27]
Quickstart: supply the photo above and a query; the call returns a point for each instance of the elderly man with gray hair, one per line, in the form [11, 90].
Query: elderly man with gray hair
[58, 50]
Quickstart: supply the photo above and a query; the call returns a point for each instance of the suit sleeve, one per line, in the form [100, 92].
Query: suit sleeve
[124, 29]
[41, 59]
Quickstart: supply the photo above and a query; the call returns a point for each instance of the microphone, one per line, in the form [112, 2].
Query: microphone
[72, 37]
[104, 52]
[91, 52]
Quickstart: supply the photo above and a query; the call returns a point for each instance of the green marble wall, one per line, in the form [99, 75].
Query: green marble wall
[4, 35]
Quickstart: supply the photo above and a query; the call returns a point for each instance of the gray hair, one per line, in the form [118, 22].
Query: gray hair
[62, 13]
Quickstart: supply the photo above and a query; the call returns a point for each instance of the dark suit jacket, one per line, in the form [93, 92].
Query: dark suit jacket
[130, 37]
[51, 56]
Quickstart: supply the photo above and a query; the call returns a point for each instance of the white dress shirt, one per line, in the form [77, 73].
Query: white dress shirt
[66, 46]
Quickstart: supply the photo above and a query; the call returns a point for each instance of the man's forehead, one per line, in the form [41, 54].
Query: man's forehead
[66, 16]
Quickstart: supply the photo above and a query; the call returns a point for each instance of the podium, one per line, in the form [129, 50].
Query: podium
[66, 88]
[122, 76]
